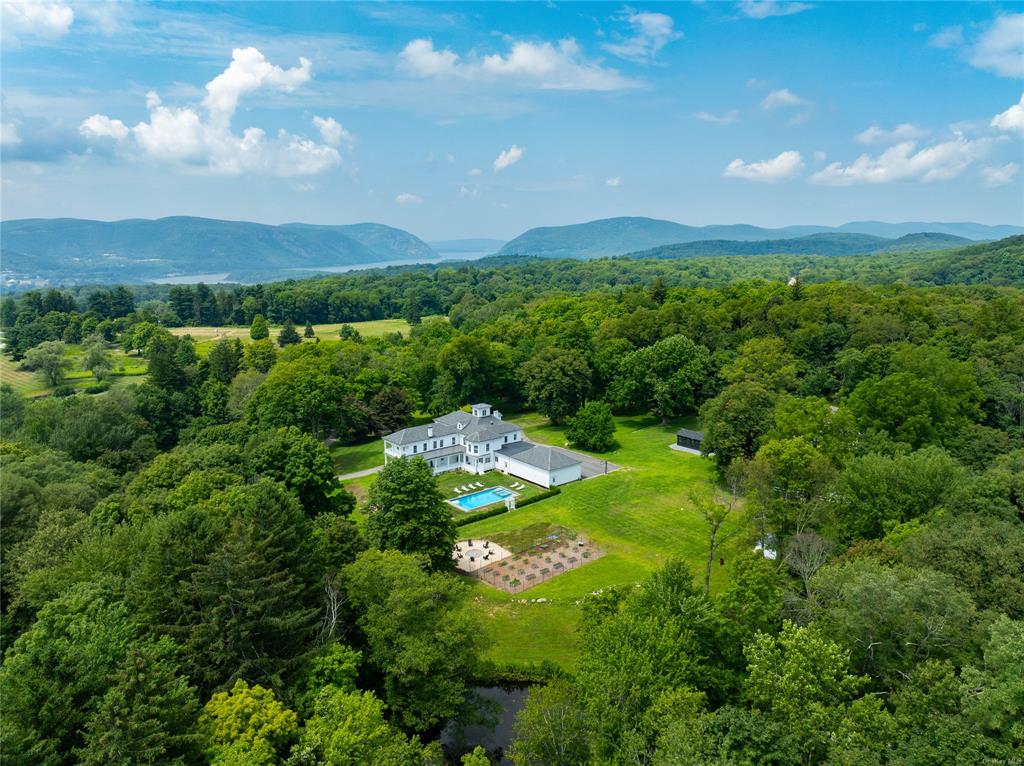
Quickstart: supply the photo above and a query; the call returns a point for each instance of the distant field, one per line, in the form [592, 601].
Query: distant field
[371, 329]
[127, 370]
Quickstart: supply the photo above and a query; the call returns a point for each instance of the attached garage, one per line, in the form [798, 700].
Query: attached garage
[538, 464]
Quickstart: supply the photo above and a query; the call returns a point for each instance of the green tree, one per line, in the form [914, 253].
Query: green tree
[261, 355]
[288, 335]
[478, 757]
[224, 359]
[390, 409]
[556, 382]
[592, 427]
[406, 512]
[148, 714]
[735, 420]
[348, 728]
[49, 360]
[259, 330]
[664, 379]
[308, 331]
[550, 728]
[247, 719]
[907, 408]
[302, 464]
[993, 693]
[765, 361]
[304, 392]
[97, 359]
[420, 635]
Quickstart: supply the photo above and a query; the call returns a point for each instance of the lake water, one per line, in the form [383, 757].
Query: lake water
[191, 279]
[457, 255]
[502, 704]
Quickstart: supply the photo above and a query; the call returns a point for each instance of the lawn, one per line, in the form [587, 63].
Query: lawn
[205, 337]
[30, 384]
[349, 458]
[641, 515]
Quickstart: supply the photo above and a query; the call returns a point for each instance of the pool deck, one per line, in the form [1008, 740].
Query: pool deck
[467, 563]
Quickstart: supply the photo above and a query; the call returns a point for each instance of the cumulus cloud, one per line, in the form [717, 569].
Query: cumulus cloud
[726, 118]
[785, 165]
[101, 126]
[332, 131]
[405, 198]
[1012, 119]
[9, 134]
[763, 9]
[947, 37]
[1000, 48]
[510, 156]
[876, 135]
[651, 33]
[526, 64]
[613, 182]
[905, 162]
[48, 20]
[999, 175]
[202, 139]
[781, 98]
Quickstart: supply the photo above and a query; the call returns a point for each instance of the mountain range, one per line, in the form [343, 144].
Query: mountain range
[71, 251]
[618, 236]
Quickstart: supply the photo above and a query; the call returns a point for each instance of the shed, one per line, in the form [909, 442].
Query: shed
[690, 439]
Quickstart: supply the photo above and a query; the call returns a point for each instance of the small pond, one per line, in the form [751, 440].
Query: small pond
[500, 705]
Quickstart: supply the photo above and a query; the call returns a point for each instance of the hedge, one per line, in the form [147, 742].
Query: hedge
[538, 497]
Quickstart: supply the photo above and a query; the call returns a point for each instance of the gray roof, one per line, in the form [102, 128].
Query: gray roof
[482, 404]
[419, 433]
[687, 433]
[538, 456]
[474, 429]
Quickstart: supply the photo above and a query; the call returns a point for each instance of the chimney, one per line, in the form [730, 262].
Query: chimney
[430, 431]
[496, 414]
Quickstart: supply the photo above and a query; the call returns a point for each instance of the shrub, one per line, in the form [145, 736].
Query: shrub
[592, 427]
[538, 497]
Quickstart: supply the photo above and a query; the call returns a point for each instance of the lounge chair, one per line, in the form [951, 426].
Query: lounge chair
[479, 484]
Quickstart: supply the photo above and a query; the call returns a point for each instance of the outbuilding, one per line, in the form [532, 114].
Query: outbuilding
[689, 439]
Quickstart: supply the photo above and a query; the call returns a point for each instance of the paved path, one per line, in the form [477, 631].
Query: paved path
[589, 466]
[360, 474]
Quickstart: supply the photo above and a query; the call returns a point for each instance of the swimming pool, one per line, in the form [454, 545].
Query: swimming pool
[479, 499]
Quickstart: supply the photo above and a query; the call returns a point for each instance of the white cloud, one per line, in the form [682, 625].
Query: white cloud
[332, 131]
[527, 64]
[905, 162]
[613, 182]
[249, 71]
[1012, 119]
[999, 175]
[763, 9]
[876, 135]
[786, 165]
[820, 156]
[472, 191]
[421, 59]
[651, 33]
[101, 126]
[1001, 48]
[782, 98]
[181, 136]
[475, 172]
[49, 20]
[405, 198]
[726, 118]
[9, 134]
[510, 156]
[947, 37]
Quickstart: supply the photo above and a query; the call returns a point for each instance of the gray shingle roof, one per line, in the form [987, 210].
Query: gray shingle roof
[473, 429]
[538, 456]
[688, 434]
[419, 433]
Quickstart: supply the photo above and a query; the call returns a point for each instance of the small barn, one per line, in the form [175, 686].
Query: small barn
[689, 439]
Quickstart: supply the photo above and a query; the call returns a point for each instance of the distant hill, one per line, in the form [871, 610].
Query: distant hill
[830, 243]
[67, 250]
[619, 236]
[992, 263]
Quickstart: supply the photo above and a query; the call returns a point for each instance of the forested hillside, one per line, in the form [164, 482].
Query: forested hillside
[186, 580]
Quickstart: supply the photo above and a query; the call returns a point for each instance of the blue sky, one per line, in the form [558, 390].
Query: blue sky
[467, 119]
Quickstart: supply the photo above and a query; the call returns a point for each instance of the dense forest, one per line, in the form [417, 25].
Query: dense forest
[184, 580]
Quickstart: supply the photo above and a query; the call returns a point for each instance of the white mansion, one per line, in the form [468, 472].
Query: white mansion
[481, 441]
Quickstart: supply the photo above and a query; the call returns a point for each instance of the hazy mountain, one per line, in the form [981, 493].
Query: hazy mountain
[618, 236]
[829, 243]
[74, 250]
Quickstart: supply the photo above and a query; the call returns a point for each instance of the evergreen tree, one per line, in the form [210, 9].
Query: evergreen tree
[259, 330]
[224, 360]
[308, 332]
[288, 335]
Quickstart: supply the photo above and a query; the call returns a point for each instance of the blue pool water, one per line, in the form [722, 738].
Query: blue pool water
[479, 499]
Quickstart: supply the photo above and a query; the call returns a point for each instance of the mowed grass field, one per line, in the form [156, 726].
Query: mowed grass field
[641, 515]
[205, 337]
[127, 370]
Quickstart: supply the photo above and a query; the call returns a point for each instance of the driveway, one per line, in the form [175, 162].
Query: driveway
[360, 474]
[590, 466]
